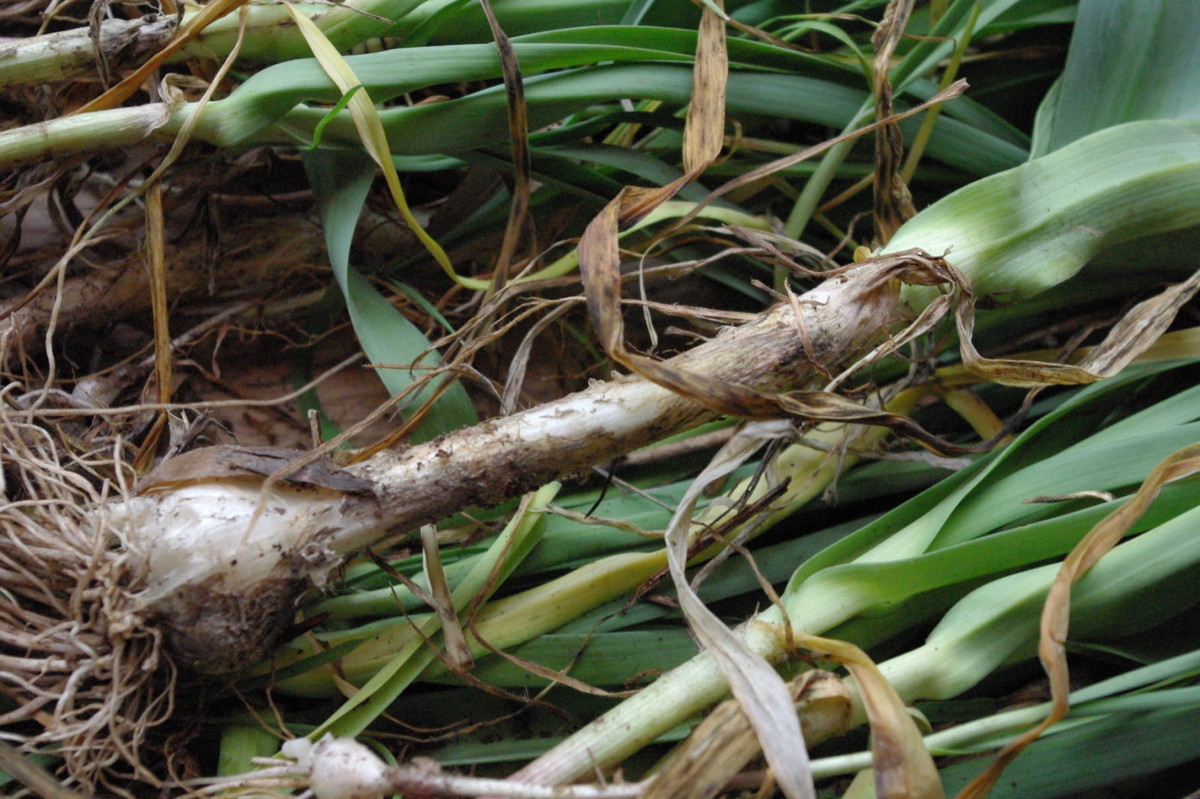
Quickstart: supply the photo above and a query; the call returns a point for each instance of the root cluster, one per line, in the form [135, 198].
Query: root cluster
[81, 676]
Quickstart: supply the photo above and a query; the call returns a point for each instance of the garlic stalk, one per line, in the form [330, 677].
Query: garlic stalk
[342, 768]
[228, 553]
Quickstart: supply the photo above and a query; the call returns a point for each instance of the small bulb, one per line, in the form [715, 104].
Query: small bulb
[342, 768]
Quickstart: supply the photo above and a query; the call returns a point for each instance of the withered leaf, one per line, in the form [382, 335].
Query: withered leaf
[724, 742]
[903, 766]
[219, 463]
[893, 203]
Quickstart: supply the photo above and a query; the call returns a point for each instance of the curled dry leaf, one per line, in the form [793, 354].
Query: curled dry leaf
[903, 767]
[893, 203]
[254, 464]
[724, 742]
[1128, 339]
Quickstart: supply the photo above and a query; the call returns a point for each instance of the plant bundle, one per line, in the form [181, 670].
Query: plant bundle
[142, 548]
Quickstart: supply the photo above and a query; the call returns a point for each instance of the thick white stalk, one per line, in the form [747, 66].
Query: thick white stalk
[227, 560]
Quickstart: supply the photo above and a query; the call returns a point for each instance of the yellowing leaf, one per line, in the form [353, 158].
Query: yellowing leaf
[373, 137]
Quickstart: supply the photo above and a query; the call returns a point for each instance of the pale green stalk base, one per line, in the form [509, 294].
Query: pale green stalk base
[1021, 232]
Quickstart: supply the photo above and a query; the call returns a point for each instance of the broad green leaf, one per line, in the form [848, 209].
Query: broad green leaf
[767, 81]
[239, 745]
[1133, 691]
[341, 181]
[1082, 760]
[999, 620]
[270, 39]
[506, 737]
[1031, 228]
[516, 17]
[477, 120]
[371, 136]
[1033, 15]
[1128, 60]
[602, 659]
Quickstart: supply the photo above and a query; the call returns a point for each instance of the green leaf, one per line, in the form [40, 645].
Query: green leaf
[239, 745]
[602, 659]
[344, 101]
[1083, 759]
[520, 535]
[1128, 60]
[341, 180]
[1026, 230]
[478, 119]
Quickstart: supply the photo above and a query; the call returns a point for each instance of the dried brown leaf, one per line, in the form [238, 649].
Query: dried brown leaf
[724, 742]
[893, 203]
[118, 94]
[1139, 329]
[518, 134]
[704, 130]
[443, 603]
[1129, 338]
[903, 767]
[209, 464]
